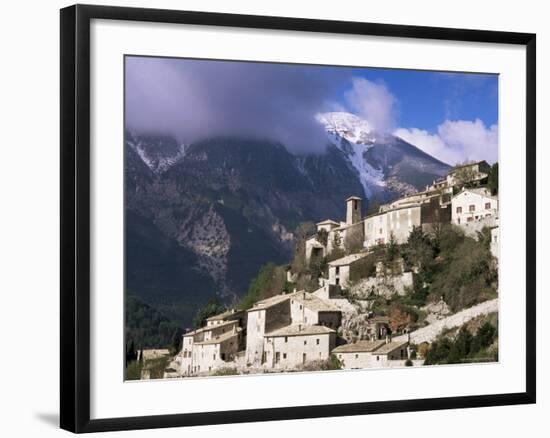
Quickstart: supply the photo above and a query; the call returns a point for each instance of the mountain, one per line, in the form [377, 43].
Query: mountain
[387, 165]
[201, 219]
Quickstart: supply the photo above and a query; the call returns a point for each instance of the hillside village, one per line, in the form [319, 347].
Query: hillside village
[341, 319]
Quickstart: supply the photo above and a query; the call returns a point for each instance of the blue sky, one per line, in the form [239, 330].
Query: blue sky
[452, 116]
[426, 99]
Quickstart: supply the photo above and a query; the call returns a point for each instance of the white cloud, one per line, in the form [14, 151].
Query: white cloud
[456, 141]
[374, 102]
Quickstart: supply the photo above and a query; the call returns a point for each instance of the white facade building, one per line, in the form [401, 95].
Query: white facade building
[209, 348]
[474, 205]
[339, 270]
[299, 314]
[297, 344]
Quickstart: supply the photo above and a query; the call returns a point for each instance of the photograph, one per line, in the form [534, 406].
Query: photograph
[295, 218]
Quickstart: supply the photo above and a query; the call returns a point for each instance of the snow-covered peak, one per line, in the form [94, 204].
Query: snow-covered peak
[348, 126]
[353, 136]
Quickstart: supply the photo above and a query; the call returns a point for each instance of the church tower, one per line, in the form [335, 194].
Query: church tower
[353, 211]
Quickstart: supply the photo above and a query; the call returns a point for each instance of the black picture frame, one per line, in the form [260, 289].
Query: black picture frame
[75, 217]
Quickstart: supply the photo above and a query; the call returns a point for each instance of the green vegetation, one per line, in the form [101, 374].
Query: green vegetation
[333, 363]
[465, 346]
[492, 182]
[270, 281]
[225, 372]
[147, 328]
[211, 308]
[155, 366]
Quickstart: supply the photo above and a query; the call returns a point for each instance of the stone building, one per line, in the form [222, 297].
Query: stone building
[210, 347]
[474, 205]
[474, 173]
[348, 235]
[372, 354]
[297, 344]
[339, 270]
[301, 313]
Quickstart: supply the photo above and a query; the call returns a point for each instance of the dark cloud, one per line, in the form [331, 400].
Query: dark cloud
[195, 99]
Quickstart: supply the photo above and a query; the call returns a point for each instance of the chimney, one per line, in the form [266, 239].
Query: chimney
[353, 210]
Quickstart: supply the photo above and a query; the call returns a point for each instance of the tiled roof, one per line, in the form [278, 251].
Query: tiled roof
[328, 222]
[314, 303]
[390, 346]
[219, 339]
[209, 328]
[268, 302]
[359, 346]
[300, 330]
[224, 315]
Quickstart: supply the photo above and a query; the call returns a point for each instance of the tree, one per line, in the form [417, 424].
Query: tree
[175, 344]
[211, 308]
[461, 346]
[270, 281]
[492, 180]
[465, 176]
[400, 319]
[322, 236]
[484, 337]
[392, 250]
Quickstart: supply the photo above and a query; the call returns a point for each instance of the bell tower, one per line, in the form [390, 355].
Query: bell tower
[353, 210]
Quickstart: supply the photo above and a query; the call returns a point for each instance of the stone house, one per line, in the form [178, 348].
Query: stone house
[398, 222]
[372, 354]
[210, 347]
[339, 270]
[476, 172]
[295, 312]
[474, 205]
[297, 344]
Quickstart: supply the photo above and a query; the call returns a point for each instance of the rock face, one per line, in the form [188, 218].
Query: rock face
[201, 219]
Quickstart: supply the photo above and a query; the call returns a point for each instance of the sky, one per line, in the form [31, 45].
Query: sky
[452, 116]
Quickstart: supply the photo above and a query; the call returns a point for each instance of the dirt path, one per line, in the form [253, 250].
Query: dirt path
[430, 332]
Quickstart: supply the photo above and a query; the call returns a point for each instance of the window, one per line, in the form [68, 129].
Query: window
[377, 357]
[337, 270]
[459, 209]
[304, 358]
[470, 219]
[317, 341]
[284, 355]
[305, 342]
[214, 356]
[380, 231]
[300, 307]
[487, 206]
[277, 357]
[472, 208]
[356, 356]
[286, 338]
[337, 281]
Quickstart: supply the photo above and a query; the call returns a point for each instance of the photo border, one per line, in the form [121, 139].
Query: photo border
[75, 217]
